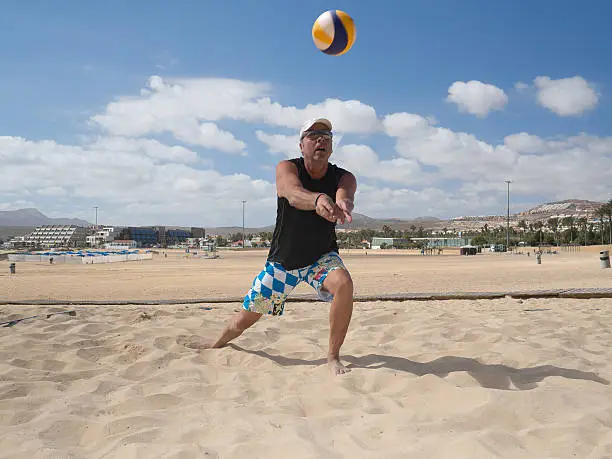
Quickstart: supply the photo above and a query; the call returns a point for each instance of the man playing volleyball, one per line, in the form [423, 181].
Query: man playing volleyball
[313, 195]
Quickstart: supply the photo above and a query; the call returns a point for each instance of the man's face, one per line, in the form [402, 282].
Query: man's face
[317, 143]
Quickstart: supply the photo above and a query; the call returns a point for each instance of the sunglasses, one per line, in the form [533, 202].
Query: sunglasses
[316, 134]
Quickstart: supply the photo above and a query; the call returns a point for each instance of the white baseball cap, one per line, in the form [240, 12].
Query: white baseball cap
[310, 123]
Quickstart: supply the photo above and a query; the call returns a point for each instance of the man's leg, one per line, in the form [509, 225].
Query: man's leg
[339, 283]
[234, 328]
[266, 296]
[237, 324]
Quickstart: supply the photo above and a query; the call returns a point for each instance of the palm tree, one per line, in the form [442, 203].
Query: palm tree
[387, 231]
[538, 226]
[601, 213]
[582, 224]
[553, 224]
[569, 221]
[608, 209]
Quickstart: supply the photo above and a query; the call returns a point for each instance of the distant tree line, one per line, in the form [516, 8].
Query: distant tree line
[576, 231]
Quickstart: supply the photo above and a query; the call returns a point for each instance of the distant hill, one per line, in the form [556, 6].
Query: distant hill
[360, 221]
[27, 219]
[9, 232]
[575, 207]
[33, 218]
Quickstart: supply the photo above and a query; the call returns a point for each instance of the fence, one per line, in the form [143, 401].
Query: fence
[83, 258]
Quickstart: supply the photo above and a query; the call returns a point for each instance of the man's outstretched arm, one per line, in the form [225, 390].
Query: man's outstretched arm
[345, 196]
[288, 186]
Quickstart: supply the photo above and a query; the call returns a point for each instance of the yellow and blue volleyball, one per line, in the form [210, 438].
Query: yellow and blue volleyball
[334, 32]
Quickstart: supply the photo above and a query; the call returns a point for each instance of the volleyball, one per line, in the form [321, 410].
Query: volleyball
[334, 32]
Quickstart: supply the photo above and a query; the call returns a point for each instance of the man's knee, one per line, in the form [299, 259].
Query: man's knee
[243, 320]
[339, 281]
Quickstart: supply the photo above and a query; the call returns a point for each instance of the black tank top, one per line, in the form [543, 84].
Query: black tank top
[301, 236]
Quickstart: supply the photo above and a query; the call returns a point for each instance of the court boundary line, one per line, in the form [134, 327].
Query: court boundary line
[581, 293]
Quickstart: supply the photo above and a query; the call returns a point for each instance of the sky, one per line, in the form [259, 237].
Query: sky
[164, 113]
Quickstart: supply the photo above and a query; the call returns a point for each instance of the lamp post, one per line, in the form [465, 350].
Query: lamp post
[243, 224]
[95, 243]
[508, 182]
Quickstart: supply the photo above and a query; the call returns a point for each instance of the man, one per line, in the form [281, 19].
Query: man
[313, 195]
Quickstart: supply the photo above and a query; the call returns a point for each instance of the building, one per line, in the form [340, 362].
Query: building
[176, 236]
[121, 244]
[198, 233]
[144, 236]
[103, 235]
[57, 236]
[441, 242]
[377, 242]
[149, 236]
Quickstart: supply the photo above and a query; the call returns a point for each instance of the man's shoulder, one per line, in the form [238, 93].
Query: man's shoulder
[294, 161]
[338, 170]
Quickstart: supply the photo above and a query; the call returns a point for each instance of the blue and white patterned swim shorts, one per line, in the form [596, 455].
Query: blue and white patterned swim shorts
[274, 283]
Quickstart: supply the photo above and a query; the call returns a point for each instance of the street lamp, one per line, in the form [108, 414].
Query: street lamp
[95, 240]
[508, 182]
[243, 224]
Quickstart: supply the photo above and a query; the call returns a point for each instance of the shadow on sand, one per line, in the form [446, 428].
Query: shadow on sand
[500, 377]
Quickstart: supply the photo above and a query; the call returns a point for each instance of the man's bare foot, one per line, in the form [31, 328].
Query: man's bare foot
[336, 368]
[193, 342]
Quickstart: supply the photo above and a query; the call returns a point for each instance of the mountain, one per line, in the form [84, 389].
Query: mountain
[576, 207]
[569, 207]
[33, 218]
[360, 221]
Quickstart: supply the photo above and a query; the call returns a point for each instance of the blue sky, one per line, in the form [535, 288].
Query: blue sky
[65, 149]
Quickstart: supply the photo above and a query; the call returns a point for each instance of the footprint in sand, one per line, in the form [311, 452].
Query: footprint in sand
[193, 342]
[163, 342]
[33, 364]
[129, 425]
[130, 353]
[64, 433]
[93, 354]
[140, 370]
[149, 403]
[14, 391]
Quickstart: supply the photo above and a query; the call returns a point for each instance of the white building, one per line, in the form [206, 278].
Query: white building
[121, 244]
[57, 236]
[103, 235]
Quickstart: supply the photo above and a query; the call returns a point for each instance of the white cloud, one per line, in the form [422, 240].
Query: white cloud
[288, 145]
[363, 161]
[280, 143]
[189, 108]
[476, 97]
[138, 180]
[55, 191]
[524, 143]
[520, 86]
[148, 147]
[404, 124]
[135, 181]
[17, 204]
[456, 154]
[566, 96]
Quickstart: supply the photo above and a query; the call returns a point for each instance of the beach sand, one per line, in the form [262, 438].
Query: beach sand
[503, 378]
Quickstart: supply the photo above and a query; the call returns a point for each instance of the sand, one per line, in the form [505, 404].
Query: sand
[178, 277]
[501, 378]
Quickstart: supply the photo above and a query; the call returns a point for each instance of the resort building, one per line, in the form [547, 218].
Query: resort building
[57, 236]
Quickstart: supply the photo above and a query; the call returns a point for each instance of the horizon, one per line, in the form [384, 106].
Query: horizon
[171, 121]
[425, 218]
